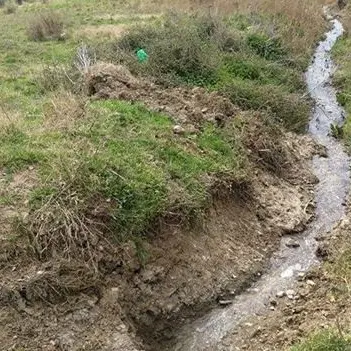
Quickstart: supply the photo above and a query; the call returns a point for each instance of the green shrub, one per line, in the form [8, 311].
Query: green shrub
[266, 47]
[179, 51]
[248, 66]
[288, 109]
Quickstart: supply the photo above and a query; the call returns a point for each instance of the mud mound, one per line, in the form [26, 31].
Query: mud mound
[184, 105]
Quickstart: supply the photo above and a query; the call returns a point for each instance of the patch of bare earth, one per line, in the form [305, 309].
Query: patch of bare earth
[139, 295]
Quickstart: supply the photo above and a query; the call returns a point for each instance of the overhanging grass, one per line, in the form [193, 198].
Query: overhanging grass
[342, 81]
[325, 341]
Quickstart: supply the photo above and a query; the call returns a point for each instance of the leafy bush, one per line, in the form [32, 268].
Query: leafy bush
[247, 64]
[46, 26]
[179, 51]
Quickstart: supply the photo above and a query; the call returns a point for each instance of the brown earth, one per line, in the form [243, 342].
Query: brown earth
[142, 292]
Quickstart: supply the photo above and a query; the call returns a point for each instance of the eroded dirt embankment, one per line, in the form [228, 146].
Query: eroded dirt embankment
[187, 270]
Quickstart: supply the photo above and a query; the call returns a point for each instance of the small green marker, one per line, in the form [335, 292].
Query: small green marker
[142, 55]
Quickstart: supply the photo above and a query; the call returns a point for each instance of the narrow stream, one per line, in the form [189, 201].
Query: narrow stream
[333, 173]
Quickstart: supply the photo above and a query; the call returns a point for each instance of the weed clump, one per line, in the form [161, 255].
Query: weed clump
[287, 109]
[180, 51]
[325, 341]
[46, 26]
[266, 47]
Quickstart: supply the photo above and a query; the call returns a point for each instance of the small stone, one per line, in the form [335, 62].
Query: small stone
[178, 130]
[300, 276]
[310, 282]
[225, 302]
[248, 324]
[272, 308]
[291, 294]
[292, 243]
[280, 294]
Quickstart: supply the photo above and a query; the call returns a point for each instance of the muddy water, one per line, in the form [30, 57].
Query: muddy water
[287, 263]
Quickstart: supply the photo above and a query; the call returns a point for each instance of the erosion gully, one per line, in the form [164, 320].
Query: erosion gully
[333, 173]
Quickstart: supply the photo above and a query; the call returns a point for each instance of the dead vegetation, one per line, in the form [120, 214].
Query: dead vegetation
[63, 110]
[46, 25]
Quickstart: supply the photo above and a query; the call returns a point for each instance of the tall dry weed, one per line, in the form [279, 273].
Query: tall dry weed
[303, 18]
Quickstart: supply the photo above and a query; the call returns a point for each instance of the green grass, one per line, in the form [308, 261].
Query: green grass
[129, 156]
[325, 341]
[342, 81]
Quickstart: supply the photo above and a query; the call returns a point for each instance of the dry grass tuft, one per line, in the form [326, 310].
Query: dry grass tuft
[51, 284]
[63, 110]
[264, 140]
[63, 279]
[60, 227]
[46, 26]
